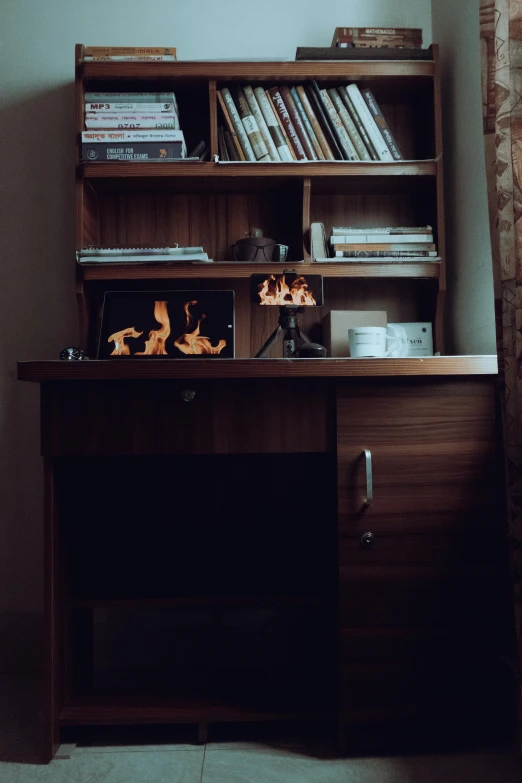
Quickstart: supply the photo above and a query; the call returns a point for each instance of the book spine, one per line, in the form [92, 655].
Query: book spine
[369, 123]
[129, 108]
[131, 121]
[316, 125]
[130, 51]
[345, 230]
[132, 152]
[237, 124]
[349, 125]
[344, 139]
[314, 95]
[108, 136]
[424, 246]
[251, 127]
[281, 126]
[272, 124]
[232, 152]
[284, 116]
[381, 123]
[364, 239]
[112, 58]
[223, 152]
[240, 155]
[345, 97]
[297, 122]
[125, 97]
[383, 254]
[307, 124]
[261, 124]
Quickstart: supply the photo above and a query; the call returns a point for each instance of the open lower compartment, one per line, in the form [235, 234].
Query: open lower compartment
[198, 588]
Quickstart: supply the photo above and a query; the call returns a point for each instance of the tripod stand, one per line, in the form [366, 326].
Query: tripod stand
[295, 342]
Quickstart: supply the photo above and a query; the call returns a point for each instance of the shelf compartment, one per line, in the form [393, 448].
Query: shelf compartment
[235, 271]
[416, 168]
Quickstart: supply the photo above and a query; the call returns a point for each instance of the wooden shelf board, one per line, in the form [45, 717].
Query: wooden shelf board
[227, 271]
[419, 168]
[257, 71]
[172, 369]
[192, 602]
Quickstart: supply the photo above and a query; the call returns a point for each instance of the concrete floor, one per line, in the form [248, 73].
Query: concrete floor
[219, 762]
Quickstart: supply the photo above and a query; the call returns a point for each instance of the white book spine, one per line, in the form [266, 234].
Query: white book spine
[120, 58]
[349, 125]
[345, 230]
[130, 121]
[369, 123]
[271, 122]
[130, 108]
[108, 136]
[343, 136]
[237, 124]
[263, 128]
[364, 239]
[125, 97]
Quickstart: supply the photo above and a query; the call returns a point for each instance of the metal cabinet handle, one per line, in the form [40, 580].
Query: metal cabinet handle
[187, 395]
[367, 540]
[369, 477]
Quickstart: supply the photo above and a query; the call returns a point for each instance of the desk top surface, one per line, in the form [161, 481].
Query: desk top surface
[171, 369]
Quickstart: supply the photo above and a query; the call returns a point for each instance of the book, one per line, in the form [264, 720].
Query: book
[384, 254]
[297, 122]
[130, 51]
[281, 126]
[318, 248]
[261, 124]
[314, 122]
[104, 136]
[364, 239]
[131, 121]
[223, 151]
[336, 230]
[231, 149]
[237, 125]
[377, 36]
[138, 251]
[369, 123]
[134, 97]
[284, 116]
[112, 58]
[129, 108]
[198, 150]
[251, 126]
[240, 155]
[344, 139]
[133, 151]
[320, 113]
[346, 99]
[378, 116]
[369, 246]
[307, 124]
[272, 124]
[349, 125]
[325, 118]
[140, 255]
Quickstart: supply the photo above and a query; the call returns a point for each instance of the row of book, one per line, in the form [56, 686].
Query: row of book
[129, 53]
[387, 243]
[303, 123]
[132, 126]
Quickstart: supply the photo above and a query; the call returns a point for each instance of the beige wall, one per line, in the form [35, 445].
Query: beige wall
[37, 308]
[470, 310]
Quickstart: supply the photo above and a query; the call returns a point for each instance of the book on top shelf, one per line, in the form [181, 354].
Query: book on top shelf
[130, 51]
[375, 37]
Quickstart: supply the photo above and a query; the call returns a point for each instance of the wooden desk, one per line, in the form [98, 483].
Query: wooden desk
[243, 509]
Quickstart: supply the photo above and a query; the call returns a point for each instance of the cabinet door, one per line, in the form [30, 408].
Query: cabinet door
[420, 541]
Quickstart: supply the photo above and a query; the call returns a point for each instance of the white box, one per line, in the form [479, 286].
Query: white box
[337, 322]
[419, 337]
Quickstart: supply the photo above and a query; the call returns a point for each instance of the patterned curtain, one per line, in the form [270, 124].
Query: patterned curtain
[501, 51]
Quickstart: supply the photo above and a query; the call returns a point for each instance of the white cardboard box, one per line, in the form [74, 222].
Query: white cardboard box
[337, 323]
[419, 337]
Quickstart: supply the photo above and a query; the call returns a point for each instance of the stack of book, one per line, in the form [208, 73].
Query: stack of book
[378, 37]
[132, 127]
[141, 255]
[303, 123]
[392, 243]
[130, 53]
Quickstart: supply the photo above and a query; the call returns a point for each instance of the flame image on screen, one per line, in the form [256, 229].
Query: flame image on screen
[120, 346]
[155, 345]
[193, 342]
[276, 291]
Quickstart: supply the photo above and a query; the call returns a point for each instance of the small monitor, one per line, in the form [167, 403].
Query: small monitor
[289, 288]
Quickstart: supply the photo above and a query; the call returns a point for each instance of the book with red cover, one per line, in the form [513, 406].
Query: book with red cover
[280, 107]
[297, 122]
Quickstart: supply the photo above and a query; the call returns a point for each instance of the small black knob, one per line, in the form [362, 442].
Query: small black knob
[187, 395]
[367, 540]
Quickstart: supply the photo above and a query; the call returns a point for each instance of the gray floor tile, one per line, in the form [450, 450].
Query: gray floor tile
[159, 767]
